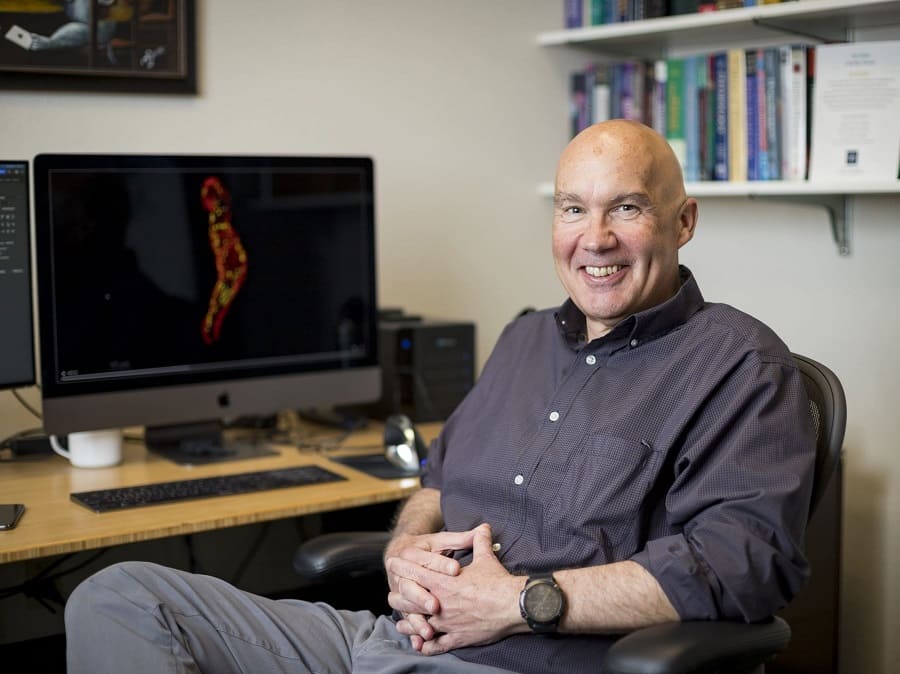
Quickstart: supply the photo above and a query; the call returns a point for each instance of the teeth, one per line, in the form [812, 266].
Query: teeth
[603, 271]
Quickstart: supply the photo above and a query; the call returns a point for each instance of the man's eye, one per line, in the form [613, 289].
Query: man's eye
[626, 211]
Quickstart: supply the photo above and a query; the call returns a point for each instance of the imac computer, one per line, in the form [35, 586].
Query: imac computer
[178, 292]
[16, 334]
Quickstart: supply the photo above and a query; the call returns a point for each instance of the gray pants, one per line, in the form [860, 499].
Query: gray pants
[150, 618]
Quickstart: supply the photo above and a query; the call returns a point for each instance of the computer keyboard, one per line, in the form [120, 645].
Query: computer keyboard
[104, 500]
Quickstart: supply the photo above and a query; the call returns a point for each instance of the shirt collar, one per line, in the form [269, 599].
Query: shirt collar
[642, 326]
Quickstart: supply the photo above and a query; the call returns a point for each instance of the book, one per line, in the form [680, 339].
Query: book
[675, 131]
[573, 13]
[707, 99]
[658, 97]
[597, 12]
[683, 6]
[601, 94]
[691, 103]
[577, 102]
[794, 113]
[737, 115]
[856, 105]
[754, 149]
[720, 83]
[772, 79]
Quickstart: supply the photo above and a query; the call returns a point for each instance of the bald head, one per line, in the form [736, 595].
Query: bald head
[635, 148]
[620, 216]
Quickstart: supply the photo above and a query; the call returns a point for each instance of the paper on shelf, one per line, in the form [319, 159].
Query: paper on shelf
[856, 112]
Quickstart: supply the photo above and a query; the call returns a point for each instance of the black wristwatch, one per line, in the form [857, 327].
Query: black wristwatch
[542, 603]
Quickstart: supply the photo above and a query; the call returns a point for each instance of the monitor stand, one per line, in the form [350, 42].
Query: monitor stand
[202, 442]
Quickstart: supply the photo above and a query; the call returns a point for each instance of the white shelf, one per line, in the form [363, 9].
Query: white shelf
[651, 38]
[773, 188]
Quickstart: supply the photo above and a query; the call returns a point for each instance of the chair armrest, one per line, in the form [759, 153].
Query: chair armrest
[703, 646]
[339, 555]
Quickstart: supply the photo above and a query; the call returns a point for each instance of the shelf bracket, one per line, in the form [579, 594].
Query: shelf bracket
[792, 30]
[838, 206]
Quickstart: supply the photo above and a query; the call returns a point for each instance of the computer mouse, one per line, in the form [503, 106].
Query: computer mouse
[403, 446]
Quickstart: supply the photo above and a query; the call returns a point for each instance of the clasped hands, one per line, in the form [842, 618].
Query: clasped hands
[446, 606]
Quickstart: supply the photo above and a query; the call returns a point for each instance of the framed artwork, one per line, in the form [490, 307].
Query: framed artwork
[98, 45]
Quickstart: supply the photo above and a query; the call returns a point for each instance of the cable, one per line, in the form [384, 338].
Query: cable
[25, 403]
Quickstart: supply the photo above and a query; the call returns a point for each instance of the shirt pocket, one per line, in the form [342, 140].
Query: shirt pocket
[597, 507]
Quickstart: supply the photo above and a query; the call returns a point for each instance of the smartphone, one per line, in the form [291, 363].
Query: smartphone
[10, 514]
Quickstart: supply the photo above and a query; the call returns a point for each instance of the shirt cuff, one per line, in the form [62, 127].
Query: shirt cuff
[684, 580]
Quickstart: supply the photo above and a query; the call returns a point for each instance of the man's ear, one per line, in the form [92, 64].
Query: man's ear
[687, 220]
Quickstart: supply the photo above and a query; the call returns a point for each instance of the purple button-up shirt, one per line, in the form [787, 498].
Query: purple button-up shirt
[680, 440]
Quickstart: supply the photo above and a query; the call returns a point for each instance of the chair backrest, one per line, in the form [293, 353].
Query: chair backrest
[828, 408]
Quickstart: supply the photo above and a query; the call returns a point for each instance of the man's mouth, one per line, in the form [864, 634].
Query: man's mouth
[600, 272]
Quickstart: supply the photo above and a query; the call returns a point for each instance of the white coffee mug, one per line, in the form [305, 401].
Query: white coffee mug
[91, 449]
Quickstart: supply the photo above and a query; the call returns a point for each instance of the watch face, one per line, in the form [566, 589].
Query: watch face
[543, 602]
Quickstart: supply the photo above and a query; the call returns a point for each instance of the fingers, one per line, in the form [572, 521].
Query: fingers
[410, 597]
[430, 560]
[482, 541]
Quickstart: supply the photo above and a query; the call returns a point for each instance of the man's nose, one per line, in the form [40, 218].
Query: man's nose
[599, 233]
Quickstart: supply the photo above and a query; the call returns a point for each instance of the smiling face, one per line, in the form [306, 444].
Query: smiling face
[620, 216]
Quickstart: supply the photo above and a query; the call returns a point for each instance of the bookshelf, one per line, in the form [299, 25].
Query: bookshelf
[816, 20]
[806, 21]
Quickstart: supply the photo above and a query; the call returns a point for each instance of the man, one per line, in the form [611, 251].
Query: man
[637, 456]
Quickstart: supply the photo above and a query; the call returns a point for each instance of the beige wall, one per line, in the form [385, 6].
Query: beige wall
[464, 116]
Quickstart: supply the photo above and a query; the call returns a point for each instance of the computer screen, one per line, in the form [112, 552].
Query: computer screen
[16, 334]
[181, 289]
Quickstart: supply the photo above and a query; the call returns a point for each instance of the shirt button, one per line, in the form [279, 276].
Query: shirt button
[554, 416]
[591, 360]
[518, 479]
[496, 547]
[633, 343]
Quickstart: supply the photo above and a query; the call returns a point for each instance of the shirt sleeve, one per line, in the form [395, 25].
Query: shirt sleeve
[740, 498]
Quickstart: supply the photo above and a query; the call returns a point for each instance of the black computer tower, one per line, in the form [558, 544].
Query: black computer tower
[427, 365]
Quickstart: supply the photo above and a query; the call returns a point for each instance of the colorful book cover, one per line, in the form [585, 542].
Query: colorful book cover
[691, 120]
[737, 115]
[753, 109]
[675, 131]
[720, 71]
[773, 119]
[707, 97]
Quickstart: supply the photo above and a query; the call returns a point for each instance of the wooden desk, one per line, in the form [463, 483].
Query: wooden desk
[53, 524]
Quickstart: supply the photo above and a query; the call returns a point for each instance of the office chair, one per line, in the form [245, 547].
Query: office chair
[672, 648]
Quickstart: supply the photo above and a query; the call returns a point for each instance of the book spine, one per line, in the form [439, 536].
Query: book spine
[598, 12]
[658, 97]
[810, 97]
[573, 10]
[615, 103]
[753, 171]
[628, 93]
[675, 132]
[706, 83]
[577, 103]
[722, 161]
[601, 93]
[799, 115]
[773, 126]
[737, 115]
[691, 120]
[762, 117]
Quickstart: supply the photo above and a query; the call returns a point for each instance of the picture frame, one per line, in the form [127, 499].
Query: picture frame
[127, 46]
